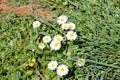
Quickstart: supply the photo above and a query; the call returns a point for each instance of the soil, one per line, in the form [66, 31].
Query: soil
[25, 10]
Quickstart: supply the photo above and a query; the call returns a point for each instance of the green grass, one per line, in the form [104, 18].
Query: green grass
[98, 29]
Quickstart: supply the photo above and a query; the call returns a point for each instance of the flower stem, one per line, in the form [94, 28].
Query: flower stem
[66, 46]
[104, 64]
[48, 24]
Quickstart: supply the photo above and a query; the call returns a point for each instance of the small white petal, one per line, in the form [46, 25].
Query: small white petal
[71, 35]
[65, 26]
[41, 46]
[62, 19]
[52, 65]
[46, 39]
[81, 62]
[62, 70]
[58, 38]
[55, 45]
[36, 24]
[72, 26]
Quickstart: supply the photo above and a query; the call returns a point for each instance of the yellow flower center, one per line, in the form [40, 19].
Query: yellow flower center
[71, 26]
[65, 26]
[58, 38]
[55, 44]
[71, 35]
[80, 62]
[52, 65]
[47, 39]
[62, 19]
[41, 45]
[62, 69]
[36, 24]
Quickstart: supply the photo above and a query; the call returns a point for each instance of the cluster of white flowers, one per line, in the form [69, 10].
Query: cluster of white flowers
[46, 39]
[61, 69]
[55, 43]
[71, 35]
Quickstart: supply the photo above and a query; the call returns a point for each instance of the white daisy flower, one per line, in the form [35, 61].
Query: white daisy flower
[41, 46]
[36, 24]
[62, 19]
[71, 35]
[46, 39]
[52, 65]
[55, 45]
[65, 26]
[81, 62]
[72, 26]
[58, 38]
[62, 70]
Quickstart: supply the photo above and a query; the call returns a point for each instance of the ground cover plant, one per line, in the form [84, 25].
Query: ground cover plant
[33, 47]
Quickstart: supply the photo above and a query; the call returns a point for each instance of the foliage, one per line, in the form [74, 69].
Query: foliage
[98, 29]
